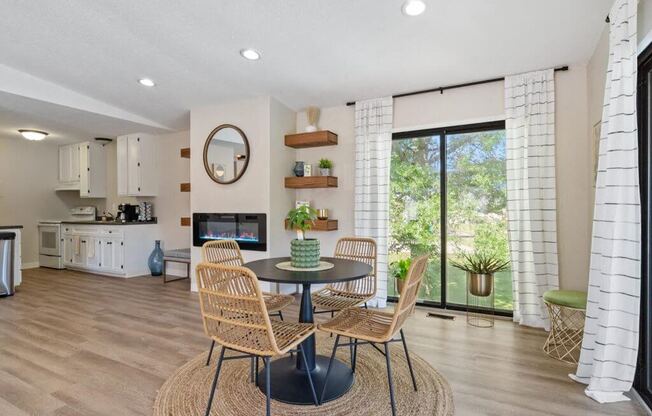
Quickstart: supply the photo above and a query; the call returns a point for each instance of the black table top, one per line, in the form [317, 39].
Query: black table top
[344, 270]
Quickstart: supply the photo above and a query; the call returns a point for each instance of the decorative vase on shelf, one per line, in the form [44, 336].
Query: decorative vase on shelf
[304, 254]
[313, 118]
[155, 261]
[298, 169]
[325, 172]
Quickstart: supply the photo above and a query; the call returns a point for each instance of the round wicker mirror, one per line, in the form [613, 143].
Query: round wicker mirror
[226, 154]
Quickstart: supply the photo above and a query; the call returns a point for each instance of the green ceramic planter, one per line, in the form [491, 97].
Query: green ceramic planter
[304, 253]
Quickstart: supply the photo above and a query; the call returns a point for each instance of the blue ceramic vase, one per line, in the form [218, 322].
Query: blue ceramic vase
[298, 169]
[155, 261]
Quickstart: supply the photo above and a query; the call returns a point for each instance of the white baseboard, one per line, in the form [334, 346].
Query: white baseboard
[30, 265]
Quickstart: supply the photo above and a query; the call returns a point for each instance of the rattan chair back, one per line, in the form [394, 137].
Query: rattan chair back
[409, 294]
[222, 252]
[233, 309]
[360, 249]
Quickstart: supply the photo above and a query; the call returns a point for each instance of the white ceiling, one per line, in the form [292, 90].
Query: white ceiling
[314, 52]
[64, 124]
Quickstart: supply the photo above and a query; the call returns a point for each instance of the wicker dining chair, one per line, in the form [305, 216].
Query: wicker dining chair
[337, 296]
[228, 252]
[375, 327]
[235, 316]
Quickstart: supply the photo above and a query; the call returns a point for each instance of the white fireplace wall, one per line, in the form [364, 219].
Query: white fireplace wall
[265, 122]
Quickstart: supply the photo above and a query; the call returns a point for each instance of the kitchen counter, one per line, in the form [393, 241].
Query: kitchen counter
[98, 222]
[8, 227]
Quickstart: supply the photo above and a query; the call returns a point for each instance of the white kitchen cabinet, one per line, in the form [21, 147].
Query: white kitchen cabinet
[92, 170]
[69, 167]
[114, 250]
[137, 167]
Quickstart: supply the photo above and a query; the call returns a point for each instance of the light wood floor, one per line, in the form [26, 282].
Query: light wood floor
[75, 344]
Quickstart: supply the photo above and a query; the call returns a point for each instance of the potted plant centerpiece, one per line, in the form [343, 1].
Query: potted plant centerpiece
[304, 252]
[480, 268]
[399, 270]
[325, 166]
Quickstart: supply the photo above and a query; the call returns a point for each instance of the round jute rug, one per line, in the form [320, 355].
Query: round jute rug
[185, 393]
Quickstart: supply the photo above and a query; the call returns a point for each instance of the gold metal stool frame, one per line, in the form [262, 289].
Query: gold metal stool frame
[566, 332]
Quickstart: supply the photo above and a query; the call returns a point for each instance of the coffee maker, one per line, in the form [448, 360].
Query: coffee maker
[128, 212]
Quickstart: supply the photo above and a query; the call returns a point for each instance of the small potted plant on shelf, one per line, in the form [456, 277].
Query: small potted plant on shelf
[304, 252]
[399, 270]
[325, 166]
[480, 268]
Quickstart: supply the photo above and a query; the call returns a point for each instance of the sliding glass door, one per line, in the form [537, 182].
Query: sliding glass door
[448, 195]
[415, 207]
[643, 381]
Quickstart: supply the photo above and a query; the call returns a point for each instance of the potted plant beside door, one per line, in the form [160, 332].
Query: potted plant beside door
[480, 268]
[304, 252]
[399, 270]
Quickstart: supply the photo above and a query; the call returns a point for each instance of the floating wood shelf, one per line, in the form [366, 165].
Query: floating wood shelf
[314, 139]
[185, 221]
[311, 182]
[185, 152]
[321, 225]
[184, 187]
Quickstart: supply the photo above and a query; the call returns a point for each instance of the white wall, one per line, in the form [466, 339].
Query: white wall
[28, 176]
[262, 120]
[170, 204]
[469, 105]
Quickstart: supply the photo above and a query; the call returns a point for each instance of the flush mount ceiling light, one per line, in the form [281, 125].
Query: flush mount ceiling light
[250, 54]
[413, 7]
[146, 82]
[33, 134]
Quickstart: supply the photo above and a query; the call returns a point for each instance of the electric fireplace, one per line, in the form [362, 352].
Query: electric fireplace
[249, 230]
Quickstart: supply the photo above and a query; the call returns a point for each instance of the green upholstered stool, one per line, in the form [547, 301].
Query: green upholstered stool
[567, 311]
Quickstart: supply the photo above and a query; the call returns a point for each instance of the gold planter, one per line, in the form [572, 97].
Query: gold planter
[481, 284]
[480, 300]
[399, 285]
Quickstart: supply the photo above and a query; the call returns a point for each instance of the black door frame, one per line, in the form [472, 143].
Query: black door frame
[442, 132]
[643, 379]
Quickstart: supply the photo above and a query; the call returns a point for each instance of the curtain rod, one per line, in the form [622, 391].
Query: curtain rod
[450, 87]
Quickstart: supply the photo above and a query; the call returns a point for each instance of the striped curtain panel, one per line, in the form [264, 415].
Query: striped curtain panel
[531, 196]
[373, 151]
[610, 345]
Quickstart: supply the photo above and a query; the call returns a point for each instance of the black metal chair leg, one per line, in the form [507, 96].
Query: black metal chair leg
[351, 351]
[280, 315]
[365, 305]
[407, 356]
[312, 386]
[210, 353]
[268, 389]
[355, 355]
[214, 386]
[330, 364]
[389, 379]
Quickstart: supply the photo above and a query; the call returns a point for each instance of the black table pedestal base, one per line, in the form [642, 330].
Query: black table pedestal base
[290, 385]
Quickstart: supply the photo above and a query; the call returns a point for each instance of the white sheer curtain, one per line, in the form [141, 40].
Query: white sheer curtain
[373, 151]
[610, 345]
[531, 195]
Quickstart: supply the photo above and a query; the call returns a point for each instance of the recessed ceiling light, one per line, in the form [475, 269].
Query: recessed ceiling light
[146, 82]
[33, 134]
[250, 54]
[413, 7]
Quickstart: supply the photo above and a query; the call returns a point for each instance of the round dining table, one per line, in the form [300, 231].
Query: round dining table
[289, 382]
